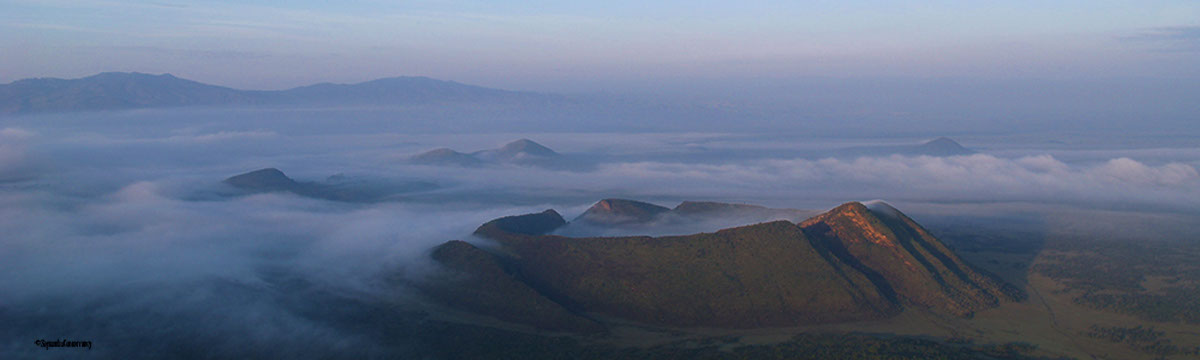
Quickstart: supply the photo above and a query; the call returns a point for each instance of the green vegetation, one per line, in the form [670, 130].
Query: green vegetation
[468, 342]
[1140, 338]
[846, 265]
[479, 283]
[1173, 305]
[1153, 280]
[759, 275]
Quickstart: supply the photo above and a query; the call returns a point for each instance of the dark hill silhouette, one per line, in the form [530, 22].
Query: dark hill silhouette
[263, 180]
[336, 188]
[528, 224]
[115, 90]
[851, 263]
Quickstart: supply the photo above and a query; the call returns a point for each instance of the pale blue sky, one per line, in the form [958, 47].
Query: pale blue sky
[562, 45]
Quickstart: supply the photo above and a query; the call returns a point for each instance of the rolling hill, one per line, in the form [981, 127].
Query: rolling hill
[851, 263]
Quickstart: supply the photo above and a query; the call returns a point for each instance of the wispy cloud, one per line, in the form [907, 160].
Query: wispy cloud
[1170, 38]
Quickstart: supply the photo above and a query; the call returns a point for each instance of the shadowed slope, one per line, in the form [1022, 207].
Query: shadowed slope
[920, 268]
[753, 276]
[479, 283]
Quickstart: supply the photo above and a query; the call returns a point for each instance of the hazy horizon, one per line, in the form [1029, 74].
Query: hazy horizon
[587, 47]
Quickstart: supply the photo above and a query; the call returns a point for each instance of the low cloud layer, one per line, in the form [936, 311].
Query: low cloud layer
[1172, 38]
[15, 162]
[143, 272]
[965, 178]
[110, 223]
[818, 182]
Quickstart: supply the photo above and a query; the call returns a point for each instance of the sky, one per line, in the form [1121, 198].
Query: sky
[597, 45]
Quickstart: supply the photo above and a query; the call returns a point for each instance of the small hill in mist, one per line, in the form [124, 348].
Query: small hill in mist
[516, 151]
[942, 146]
[621, 211]
[116, 90]
[520, 152]
[445, 156]
[263, 180]
[851, 263]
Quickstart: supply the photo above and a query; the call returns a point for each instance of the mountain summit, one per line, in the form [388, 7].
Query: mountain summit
[522, 150]
[942, 146]
[919, 268]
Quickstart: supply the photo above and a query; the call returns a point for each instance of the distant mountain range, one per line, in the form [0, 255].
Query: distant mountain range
[855, 262]
[115, 91]
[522, 151]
